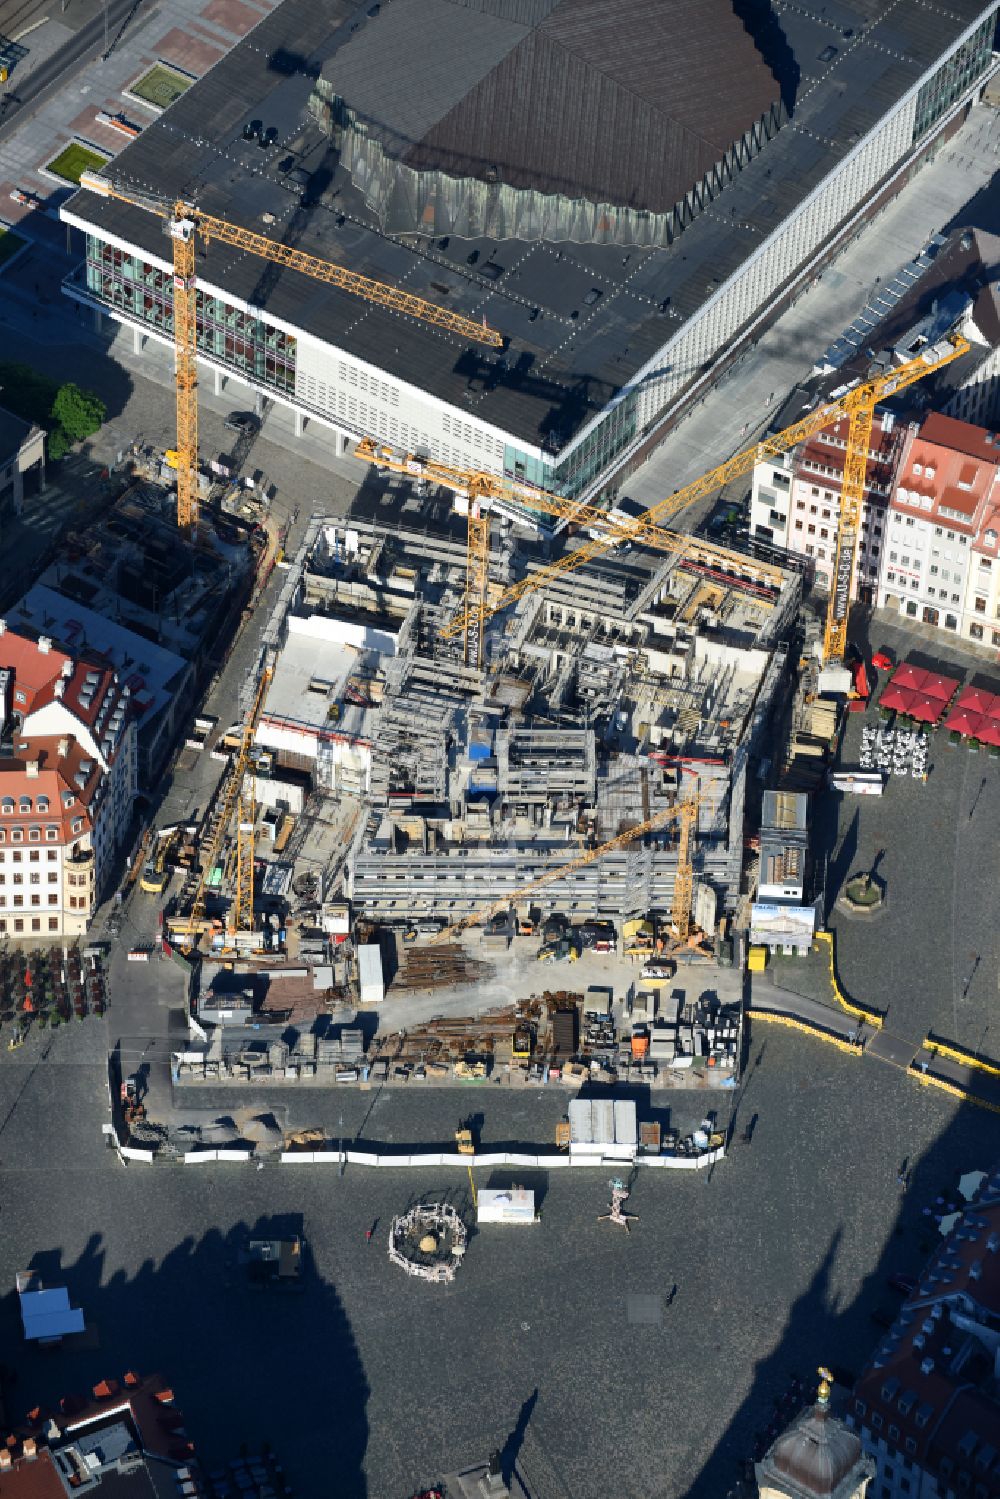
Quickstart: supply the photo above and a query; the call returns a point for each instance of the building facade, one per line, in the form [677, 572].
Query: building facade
[939, 556]
[795, 500]
[283, 360]
[926, 1407]
[49, 790]
[70, 724]
[22, 448]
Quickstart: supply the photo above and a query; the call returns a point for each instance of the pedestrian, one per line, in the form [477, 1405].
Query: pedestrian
[260, 1165]
[672, 1293]
[901, 1180]
[368, 1235]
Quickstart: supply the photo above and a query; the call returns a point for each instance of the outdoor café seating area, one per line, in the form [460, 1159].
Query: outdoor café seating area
[915, 697]
[896, 752]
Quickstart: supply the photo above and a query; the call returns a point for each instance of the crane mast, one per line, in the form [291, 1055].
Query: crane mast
[184, 223]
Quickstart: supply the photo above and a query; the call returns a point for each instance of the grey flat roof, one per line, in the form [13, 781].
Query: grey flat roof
[566, 360]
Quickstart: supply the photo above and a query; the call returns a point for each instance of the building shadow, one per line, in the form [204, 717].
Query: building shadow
[821, 1329]
[249, 1366]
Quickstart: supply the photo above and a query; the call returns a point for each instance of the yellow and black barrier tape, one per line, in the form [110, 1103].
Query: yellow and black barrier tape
[860, 1012]
[955, 1053]
[774, 1017]
[931, 1080]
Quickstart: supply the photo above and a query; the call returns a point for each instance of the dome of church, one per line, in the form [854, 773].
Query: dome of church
[817, 1453]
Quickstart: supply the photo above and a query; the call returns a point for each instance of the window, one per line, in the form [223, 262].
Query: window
[52, 877]
[905, 561]
[910, 521]
[53, 923]
[52, 856]
[34, 834]
[34, 879]
[36, 900]
[812, 530]
[36, 925]
[980, 606]
[877, 1420]
[19, 900]
[34, 856]
[934, 569]
[16, 835]
[976, 632]
[894, 1433]
[42, 804]
[911, 608]
[950, 622]
[931, 593]
[18, 924]
[891, 576]
[7, 806]
[19, 697]
[53, 900]
[894, 557]
[51, 834]
[824, 533]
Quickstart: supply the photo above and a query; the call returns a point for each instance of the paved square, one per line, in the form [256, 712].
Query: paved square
[644, 1310]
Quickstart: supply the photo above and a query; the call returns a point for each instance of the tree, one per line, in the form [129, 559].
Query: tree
[79, 413]
[57, 445]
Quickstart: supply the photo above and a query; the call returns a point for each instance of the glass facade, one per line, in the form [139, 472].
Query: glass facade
[600, 448]
[238, 339]
[954, 77]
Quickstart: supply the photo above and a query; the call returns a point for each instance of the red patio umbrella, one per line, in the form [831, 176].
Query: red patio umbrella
[908, 675]
[993, 711]
[896, 699]
[925, 709]
[941, 687]
[965, 721]
[989, 731]
[978, 700]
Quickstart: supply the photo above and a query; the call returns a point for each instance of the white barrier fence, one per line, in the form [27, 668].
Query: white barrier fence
[436, 1158]
[496, 1158]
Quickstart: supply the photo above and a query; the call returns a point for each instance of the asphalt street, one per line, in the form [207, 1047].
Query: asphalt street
[779, 1257]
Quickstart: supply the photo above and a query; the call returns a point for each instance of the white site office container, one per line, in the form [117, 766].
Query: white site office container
[371, 985]
[515, 1205]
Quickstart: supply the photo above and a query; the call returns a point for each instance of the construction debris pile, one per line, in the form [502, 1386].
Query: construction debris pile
[439, 967]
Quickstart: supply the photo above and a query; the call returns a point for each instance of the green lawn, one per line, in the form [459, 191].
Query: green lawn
[161, 86]
[76, 159]
[10, 243]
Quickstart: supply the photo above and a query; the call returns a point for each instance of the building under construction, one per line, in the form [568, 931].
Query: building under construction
[604, 700]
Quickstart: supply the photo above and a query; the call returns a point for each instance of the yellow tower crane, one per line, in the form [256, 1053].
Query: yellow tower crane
[685, 810]
[858, 404]
[236, 794]
[184, 221]
[479, 488]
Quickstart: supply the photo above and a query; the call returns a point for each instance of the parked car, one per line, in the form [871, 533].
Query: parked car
[242, 421]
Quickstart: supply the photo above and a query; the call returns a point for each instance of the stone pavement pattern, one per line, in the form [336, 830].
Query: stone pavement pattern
[779, 1257]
